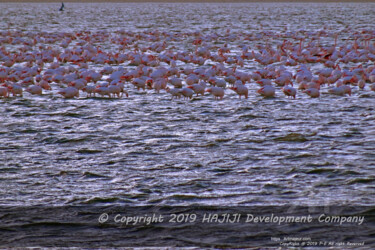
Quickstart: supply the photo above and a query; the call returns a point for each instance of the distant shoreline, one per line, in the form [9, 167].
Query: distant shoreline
[189, 1]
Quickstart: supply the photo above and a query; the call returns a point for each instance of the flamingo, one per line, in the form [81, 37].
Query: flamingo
[221, 83]
[103, 91]
[34, 90]
[4, 92]
[176, 82]
[187, 92]
[115, 90]
[157, 85]
[176, 93]
[341, 90]
[267, 91]
[217, 92]
[15, 89]
[312, 92]
[44, 85]
[198, 88]
[361, 84]
[89, 89]
[191, 79]
[69, 92]
[264, 82]
[289, 91]
[140, 83]
[241, 90]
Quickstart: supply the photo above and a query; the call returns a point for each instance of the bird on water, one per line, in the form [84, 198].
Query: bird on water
[62, 7]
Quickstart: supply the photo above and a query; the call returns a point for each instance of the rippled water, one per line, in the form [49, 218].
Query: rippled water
[147, 149]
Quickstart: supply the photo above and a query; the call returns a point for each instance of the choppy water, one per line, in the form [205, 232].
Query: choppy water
[147, 149]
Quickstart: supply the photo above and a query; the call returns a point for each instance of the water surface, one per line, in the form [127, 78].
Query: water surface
[147, 149]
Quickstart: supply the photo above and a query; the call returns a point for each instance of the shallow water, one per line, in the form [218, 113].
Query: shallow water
[147, 149]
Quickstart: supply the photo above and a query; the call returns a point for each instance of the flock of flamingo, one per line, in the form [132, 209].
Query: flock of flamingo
[109, 64]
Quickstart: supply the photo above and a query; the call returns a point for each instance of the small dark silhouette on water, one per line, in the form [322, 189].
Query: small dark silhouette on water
[62, 7]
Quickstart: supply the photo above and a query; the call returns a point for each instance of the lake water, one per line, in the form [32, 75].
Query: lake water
[147, 149]
[150, 150]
